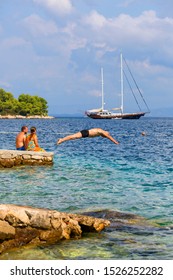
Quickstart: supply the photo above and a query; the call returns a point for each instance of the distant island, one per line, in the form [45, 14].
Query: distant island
[26, 106]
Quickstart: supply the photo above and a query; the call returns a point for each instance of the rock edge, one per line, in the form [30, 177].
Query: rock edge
[21, 225]
[11, 158]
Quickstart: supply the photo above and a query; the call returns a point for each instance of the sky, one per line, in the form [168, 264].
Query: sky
[56, 48]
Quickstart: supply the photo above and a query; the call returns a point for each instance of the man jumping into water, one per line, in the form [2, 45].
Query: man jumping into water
[94, 132]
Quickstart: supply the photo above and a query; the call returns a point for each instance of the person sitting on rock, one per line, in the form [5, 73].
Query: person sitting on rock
[31, 143]
[21, 138]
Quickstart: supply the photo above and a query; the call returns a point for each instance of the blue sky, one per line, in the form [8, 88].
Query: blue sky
[55, 49]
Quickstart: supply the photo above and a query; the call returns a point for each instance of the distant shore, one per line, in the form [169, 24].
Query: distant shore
[25, 117]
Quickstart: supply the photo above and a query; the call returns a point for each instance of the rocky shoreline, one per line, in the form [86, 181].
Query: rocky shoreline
[13, 158]
[25, 117]
[22, 225]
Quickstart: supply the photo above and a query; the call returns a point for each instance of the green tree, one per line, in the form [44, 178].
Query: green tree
[32, 105]
[5, 96]
[25, 104]
[7, 103]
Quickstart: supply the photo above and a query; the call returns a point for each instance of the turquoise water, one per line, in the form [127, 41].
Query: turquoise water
[93, 174]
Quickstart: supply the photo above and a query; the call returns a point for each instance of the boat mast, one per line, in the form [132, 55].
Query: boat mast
[122, 89]
[102, 89]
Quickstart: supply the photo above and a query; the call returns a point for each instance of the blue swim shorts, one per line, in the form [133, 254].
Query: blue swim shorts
[21, 148]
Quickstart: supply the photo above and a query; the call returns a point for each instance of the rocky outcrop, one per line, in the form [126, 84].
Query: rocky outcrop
[20, 225]
[11, 158]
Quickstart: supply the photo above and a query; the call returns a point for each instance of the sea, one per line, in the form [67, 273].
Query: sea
[131, 184]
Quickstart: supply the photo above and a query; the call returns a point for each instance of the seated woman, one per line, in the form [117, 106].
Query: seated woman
[31, 143]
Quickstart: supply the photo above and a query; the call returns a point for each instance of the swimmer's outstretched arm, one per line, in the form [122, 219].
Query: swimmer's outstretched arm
[69, 137]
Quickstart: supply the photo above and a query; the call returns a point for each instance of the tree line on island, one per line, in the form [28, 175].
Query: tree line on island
[24, 105]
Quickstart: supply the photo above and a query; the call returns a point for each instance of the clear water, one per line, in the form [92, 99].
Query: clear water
[94, 174]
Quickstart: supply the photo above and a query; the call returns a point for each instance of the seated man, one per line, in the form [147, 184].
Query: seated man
[21, 138]
[94, 132]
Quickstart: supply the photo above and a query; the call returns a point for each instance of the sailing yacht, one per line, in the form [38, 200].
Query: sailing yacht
[102, 113]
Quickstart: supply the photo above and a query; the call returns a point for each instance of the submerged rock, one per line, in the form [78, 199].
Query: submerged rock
[21, 225]
[126, 222]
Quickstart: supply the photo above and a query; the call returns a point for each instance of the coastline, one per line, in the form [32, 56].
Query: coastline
[25, 117]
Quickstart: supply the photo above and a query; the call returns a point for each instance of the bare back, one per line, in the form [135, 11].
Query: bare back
[94, 132]
[20, 140]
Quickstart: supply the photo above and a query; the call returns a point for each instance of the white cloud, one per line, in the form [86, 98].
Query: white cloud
[14, 42]
[103, 35]
[38, 26]
[126, 3]
[96, 93]
[73, 40]
[4, 84]
[95, 20]
[61, 7]
[145, 32]
[62, 40]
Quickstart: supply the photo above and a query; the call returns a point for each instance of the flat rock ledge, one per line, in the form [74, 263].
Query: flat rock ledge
[21, 225]
[11, 158]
